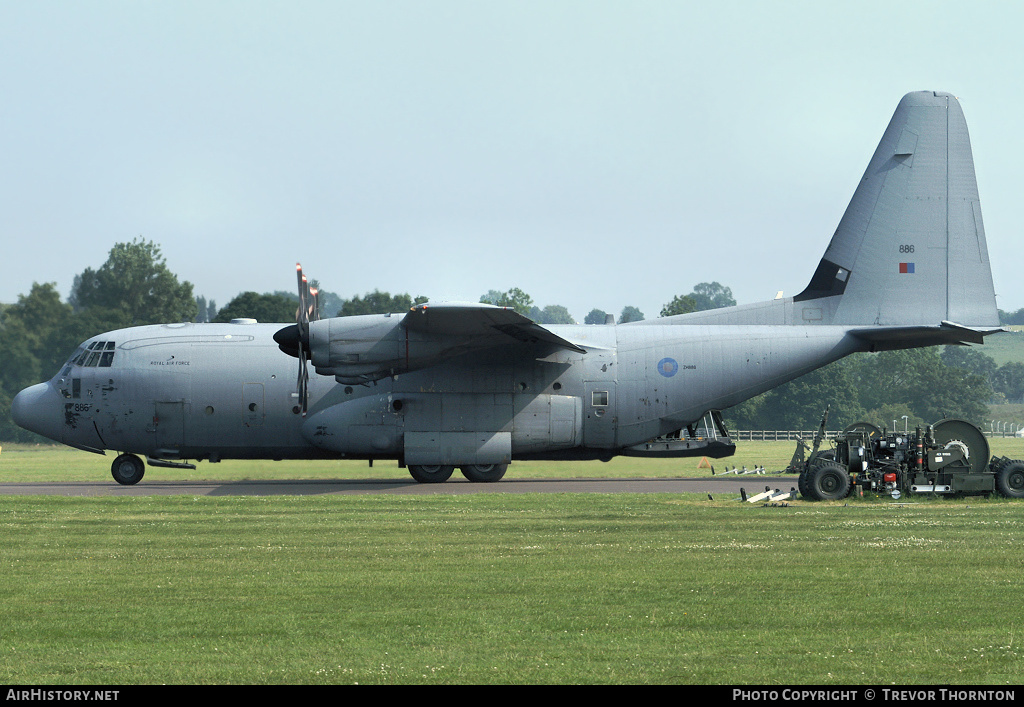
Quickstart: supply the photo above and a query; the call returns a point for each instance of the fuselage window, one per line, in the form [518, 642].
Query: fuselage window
[600, 398]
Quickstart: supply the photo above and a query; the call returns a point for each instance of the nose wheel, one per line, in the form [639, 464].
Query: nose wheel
[127, 469]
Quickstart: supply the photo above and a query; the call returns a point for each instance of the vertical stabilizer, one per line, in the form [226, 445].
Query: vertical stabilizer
[910, 249]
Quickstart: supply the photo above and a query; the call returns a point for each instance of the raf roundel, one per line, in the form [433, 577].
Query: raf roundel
[668, 367]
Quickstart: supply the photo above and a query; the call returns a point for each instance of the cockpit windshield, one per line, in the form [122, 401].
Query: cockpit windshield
[98, 353]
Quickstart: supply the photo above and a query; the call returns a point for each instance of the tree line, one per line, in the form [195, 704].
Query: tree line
[912, 387]
[1006, 318]
[135, 287]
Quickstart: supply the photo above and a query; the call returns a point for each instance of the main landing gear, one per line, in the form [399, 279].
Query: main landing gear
[439, 473]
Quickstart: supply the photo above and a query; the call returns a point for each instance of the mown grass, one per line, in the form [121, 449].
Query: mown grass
[508, 588]
[21, 462]
[504, 588]
[59, 463]
[1005, 347]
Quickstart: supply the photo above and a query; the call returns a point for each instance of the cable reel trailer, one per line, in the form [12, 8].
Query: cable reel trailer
[949, 457]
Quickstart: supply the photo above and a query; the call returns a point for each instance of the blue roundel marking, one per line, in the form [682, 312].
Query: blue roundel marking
[668, 367]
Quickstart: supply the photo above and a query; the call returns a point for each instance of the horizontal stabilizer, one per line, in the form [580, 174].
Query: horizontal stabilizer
[907, 337]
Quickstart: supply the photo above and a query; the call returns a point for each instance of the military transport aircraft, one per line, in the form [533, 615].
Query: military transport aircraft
[475, 386]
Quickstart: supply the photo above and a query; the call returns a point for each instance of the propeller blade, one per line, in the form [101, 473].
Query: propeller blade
[314, 307]
[307, 306]
[303, 385]
[302, 316]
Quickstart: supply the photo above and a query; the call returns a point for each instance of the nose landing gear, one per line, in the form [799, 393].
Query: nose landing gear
[127, 469]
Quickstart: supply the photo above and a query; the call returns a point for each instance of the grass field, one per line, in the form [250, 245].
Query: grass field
[19, 462]
[503, 588]
[1005, 347]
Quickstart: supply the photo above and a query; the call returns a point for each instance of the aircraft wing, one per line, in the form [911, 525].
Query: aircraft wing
[888, 338]
[481, 321]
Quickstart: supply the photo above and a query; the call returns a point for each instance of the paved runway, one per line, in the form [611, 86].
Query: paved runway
[726, 486]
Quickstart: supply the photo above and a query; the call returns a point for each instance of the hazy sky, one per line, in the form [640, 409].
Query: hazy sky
[594, 154]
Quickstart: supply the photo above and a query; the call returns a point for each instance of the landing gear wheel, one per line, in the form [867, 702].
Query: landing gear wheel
[484, 473]
[127, 469]
[431, 473]
[1010, 479]
[827, 481]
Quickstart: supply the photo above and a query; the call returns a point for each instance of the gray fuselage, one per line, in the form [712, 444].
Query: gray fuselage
[217, 391]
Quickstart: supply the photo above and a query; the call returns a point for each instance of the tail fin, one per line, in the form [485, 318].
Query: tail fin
[910, 249]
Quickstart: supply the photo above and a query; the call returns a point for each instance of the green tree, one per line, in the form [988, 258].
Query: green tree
[551, 314]
[264, 308]
[878, 388]
[135, 280]
[37, 335]
[514, 298]
[970, 360]
[19, 345]
[679, 305]
[378, 302]
[1008, 379]
[712, 295]
[798, 405]
[630, 314]
[1016, 317]
[919, 379]
[891, 417]
[329, 302]
[596, 316]
[201, 309]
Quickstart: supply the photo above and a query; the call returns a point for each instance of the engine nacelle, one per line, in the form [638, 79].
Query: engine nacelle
[369, 347]
[358, 349]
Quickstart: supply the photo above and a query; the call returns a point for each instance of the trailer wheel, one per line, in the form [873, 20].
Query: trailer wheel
[828, 455]
[801, 483]
[816, 460]
[827, 481]
[1010, 479]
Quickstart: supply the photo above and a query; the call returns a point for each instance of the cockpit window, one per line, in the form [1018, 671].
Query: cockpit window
[98, 353]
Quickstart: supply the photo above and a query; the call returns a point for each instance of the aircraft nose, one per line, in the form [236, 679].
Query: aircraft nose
[38, 409]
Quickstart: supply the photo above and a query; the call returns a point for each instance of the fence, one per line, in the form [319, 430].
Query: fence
[808, 435]
[778, 435]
